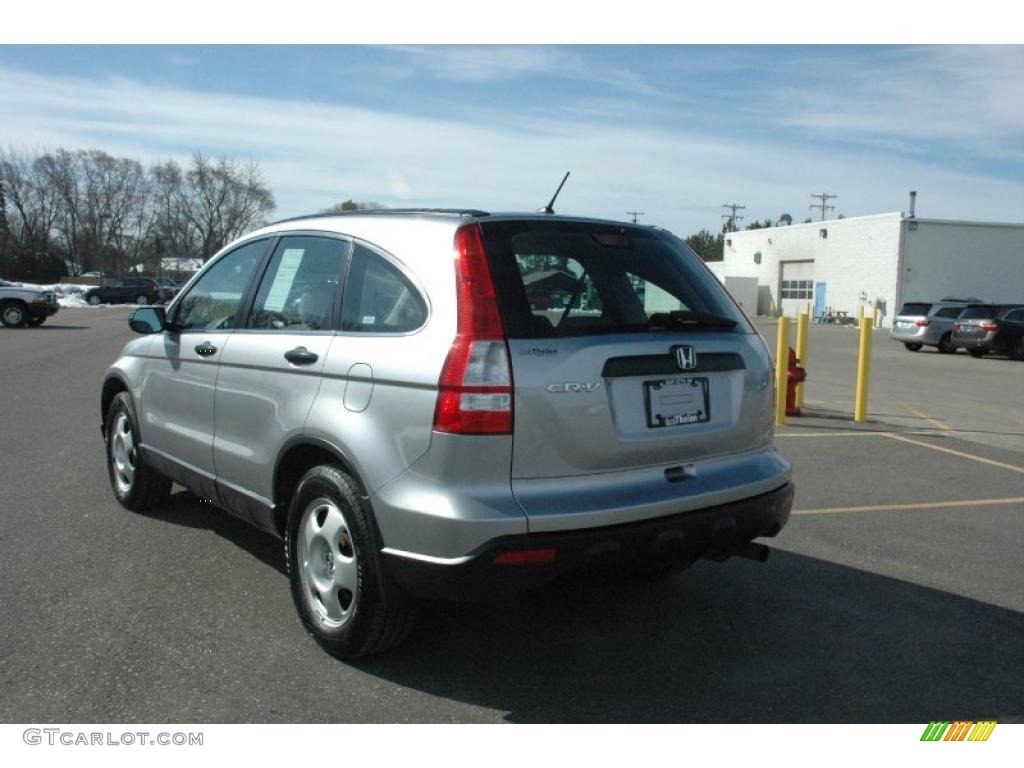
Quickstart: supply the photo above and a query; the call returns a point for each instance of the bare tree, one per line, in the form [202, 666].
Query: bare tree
[222, 201]
[33, 204]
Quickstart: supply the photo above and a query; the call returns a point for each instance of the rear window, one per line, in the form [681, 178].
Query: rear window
[979, 313]
[562, 278]
[915, 309]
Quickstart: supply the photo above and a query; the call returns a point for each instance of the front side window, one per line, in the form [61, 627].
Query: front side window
[298, 289]
[215, 300]
[379, 298]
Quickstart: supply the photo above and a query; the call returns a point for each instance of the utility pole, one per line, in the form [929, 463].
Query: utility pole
[634, 214]
[824, 197]
[731, 216]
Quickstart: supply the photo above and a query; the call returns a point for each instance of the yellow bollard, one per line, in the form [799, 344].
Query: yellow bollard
[860, 315]
[781, 370]
[801, 355]
[860, 408]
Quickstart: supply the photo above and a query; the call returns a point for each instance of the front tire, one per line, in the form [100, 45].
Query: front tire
[137, 486]
[913, 346]
[94, 300]
[1017, 353]
[36, 321]
[338, 582]
[13, 314]
[143, 300]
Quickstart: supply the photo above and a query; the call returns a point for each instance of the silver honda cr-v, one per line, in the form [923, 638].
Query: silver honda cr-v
[453, 404]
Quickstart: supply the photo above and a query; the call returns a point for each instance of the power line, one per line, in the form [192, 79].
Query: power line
[731, 216]
[634, 214]
[824, 197]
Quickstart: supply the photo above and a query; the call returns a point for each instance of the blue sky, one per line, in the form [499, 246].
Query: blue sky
[674, 131]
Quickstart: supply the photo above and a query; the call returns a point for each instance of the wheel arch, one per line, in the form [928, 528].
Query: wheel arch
[112, 385]
[298, 455]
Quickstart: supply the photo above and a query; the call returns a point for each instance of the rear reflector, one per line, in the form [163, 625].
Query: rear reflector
[526, 557]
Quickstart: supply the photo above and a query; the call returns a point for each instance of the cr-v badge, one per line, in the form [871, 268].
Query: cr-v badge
[572, 386]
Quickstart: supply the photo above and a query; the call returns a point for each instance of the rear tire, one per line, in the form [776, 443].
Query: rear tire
[340, 588]
[143, 300]
[36, 321]
[976, 352]
[946, 345]
[136, 485]
[94, 300]
[913, 346]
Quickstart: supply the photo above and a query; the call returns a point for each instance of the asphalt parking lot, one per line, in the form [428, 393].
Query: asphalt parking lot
[894, 594]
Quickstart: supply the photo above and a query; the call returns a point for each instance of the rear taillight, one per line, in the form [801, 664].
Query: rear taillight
[922, 323]
[989, 327]
[956, 326]
[475, 389]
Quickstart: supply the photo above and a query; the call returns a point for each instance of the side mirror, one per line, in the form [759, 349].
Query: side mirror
[148, 320]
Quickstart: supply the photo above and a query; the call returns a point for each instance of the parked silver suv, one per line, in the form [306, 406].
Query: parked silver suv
[452, 404]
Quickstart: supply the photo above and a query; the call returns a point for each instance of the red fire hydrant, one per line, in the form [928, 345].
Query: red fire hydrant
[796, 376]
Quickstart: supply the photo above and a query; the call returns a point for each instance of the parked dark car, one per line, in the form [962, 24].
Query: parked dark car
[169, 288]
[132, 290]
[985, 328]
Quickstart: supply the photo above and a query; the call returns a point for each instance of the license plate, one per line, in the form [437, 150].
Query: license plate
[673, 402]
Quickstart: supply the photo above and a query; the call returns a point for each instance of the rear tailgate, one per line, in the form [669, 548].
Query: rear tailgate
[602, 404]
[626, 352]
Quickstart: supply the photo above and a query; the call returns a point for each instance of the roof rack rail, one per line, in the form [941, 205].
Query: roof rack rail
[385, 211]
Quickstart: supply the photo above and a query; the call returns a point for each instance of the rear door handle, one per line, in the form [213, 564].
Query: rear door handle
[205, 349]
[301, 356]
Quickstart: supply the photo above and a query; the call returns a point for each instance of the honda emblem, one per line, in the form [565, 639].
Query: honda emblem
[686, 357]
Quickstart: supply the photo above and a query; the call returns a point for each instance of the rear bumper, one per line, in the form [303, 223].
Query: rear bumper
[710, 532]
[975, 342]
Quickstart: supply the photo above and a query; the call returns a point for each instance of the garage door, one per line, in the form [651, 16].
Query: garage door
[796, 286]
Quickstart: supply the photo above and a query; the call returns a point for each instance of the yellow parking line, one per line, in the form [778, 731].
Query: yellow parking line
[937, 423]
[971, 456]
[917, 505]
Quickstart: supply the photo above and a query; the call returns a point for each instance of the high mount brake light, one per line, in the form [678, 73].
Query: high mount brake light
[475, 389]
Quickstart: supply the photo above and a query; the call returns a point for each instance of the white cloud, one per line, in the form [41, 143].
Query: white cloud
[315, 154]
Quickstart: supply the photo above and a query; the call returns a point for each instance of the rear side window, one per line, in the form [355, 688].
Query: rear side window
[915, 309]
[1016, 315]
[379, 298]
[576, 278]
[979, 313]
[949, 312]
[298, 289]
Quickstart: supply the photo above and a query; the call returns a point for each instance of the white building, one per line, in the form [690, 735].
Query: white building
[882, 260]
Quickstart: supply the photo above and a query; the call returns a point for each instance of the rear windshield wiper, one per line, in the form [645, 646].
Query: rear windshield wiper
[689, 319]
